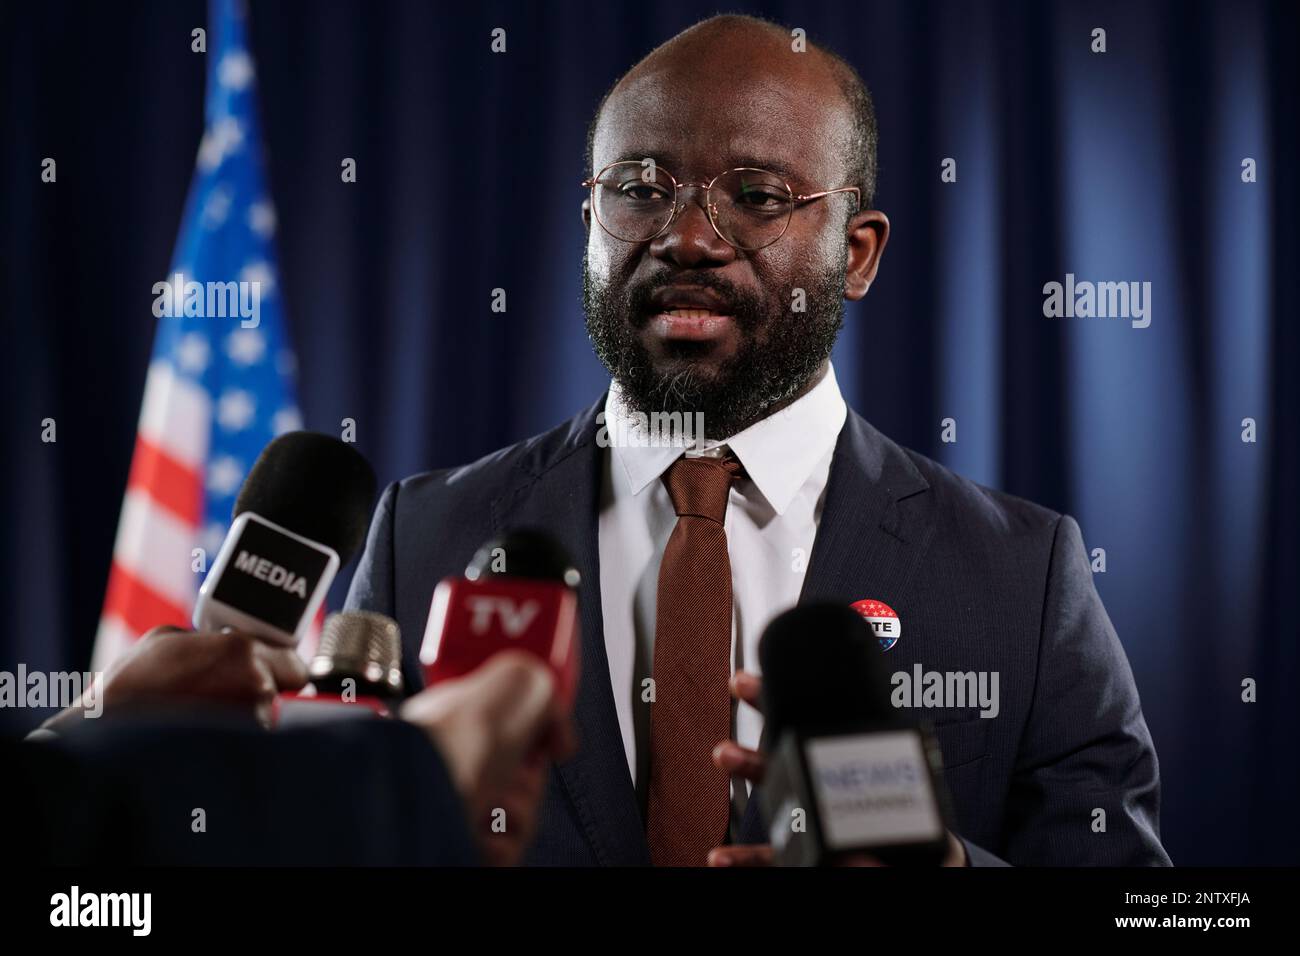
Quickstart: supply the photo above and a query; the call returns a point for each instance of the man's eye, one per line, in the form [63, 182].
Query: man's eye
[759, 199]
[642, 192]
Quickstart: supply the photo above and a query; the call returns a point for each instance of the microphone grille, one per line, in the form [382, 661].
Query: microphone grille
[363, 645]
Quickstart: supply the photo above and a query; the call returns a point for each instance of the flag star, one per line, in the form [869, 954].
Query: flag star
[235, 409]
[286, 420]
[224, 476]
[216, 208]
[235, 71]
[261, 218]
[259, 272]
[246, 346]
[219, 140]
[192, 353]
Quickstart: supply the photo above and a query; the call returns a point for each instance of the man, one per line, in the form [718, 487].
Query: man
[729, 216]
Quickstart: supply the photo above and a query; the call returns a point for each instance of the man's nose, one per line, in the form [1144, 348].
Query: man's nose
[690, 241]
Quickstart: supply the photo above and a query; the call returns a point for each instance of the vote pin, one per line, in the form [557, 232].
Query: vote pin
[883, 620]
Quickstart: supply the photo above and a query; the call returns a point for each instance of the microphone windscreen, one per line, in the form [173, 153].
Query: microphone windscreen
[524, 553]
[822, 670]
[314, 485]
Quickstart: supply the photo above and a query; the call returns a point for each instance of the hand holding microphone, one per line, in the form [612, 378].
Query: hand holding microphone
[498, 728]
[168, 669]
[738, 761]
[301, 514]
[500, 651]
[750, 765]
[355, 672]
[500, 660]
[842, 780]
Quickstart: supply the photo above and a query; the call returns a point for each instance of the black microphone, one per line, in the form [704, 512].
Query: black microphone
[301, 514]
[846, 772]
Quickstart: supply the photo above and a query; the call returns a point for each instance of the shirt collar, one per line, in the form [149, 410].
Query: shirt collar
[779, 453]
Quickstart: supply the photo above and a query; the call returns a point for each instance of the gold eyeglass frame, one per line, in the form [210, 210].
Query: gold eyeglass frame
[796, 199]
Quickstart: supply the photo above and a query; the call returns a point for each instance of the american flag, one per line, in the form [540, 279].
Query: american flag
[218, 387]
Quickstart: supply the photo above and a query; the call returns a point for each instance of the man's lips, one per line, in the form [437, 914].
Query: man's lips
[693, 324]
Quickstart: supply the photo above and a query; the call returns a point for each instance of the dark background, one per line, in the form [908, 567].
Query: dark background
[1116, 167]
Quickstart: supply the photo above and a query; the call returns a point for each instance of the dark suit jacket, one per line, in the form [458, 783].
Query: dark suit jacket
[981, 581]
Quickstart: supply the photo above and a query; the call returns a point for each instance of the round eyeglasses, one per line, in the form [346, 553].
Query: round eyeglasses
[750, 208]
[636, 201]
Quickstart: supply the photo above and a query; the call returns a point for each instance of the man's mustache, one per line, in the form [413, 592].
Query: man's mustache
[744, 306]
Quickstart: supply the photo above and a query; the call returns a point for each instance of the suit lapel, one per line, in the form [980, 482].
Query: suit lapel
[875, 528]
[559, 491]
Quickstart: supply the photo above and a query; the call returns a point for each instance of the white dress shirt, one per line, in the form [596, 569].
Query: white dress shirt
[771, 522]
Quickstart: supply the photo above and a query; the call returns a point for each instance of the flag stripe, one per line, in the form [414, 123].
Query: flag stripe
[138, 605]
[157, 548]
[176, 415]
[170, 483]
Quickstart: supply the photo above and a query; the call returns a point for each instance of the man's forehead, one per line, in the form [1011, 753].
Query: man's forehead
[763, 112]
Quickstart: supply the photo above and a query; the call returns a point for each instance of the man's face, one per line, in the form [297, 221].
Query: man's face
[743, 347]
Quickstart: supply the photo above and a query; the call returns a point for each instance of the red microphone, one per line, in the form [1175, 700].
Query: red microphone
[519, 593]
[356, 672]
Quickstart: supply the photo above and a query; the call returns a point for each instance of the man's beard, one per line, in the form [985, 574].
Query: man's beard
[744, 389]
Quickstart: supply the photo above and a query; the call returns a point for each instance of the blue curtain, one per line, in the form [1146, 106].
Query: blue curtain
[1116, 166]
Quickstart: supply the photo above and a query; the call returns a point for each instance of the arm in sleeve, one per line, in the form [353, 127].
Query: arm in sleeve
[346, 793]
[372, 587]
[1086, 787]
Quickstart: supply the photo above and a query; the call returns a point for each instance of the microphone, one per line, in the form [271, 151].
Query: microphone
[846, 773]
[357, 672]
[519, 592]
[360, 651]
[301, 514]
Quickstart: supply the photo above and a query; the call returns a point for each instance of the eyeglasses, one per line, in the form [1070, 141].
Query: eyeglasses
[636, 201]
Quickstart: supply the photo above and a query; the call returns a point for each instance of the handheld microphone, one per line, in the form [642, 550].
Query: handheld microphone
[519, 592]
[357, 672]
[846, 774]
[301, 514]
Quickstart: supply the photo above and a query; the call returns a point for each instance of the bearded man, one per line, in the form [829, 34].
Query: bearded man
[729, 215]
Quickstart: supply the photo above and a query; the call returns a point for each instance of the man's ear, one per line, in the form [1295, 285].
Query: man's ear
[868, 231]
[586, 213]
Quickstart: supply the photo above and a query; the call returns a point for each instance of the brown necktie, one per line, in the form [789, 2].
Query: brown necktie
[689, 804]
